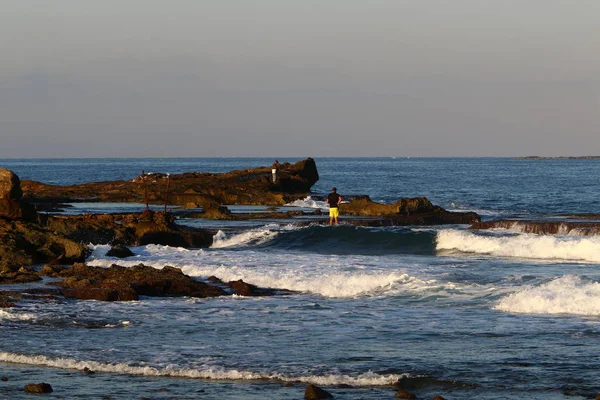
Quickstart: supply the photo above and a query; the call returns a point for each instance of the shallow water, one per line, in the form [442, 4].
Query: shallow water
[492, 315]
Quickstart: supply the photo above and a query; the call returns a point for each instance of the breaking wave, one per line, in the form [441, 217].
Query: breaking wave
[546, 247]
[210, 372]
[566, 295]
[343, 239]
[308, 202]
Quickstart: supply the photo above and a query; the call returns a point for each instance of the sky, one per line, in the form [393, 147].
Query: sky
[328, 78]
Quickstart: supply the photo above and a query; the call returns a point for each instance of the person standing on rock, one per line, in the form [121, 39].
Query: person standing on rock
[274, 169]
[334, 200]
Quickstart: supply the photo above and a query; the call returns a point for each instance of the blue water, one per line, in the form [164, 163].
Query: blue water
[486, 315]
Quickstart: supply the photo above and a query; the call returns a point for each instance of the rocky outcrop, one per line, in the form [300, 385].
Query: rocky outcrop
[124, 284]
[11, 205]
[27, 238]
[118, 283]
[407, 211]
[26, 243]
[543, 227]
[135, 229]
[11, 275]
[193, 189]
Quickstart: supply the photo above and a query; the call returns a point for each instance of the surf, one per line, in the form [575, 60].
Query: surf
[543, 247]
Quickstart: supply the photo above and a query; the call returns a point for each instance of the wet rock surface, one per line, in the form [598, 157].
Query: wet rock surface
[117, 283]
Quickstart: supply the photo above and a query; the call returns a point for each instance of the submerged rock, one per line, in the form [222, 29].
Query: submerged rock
[313, 392]
[38, 388]
[119, 251]
[401, 394]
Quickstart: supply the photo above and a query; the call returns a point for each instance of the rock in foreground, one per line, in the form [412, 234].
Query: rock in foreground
[118, 283]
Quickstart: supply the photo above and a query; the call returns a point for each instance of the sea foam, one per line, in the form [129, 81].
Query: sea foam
[7, 315]
[547, 247]
[209, 372]
[308, 202]
[252, 237]
[566, 295]
[328, 276]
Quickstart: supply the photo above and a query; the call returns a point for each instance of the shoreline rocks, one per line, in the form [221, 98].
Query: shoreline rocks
[191, 189]
[407, 211]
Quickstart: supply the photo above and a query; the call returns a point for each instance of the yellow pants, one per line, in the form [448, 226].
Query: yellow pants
[334, 212]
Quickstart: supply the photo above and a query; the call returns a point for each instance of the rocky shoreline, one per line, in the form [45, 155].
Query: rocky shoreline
[31, 237]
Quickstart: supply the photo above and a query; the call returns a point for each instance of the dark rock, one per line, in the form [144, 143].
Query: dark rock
[119, 251]
[401, 394]
[207, 190]
[123, 284]
[4, 379]
[8, 299]
[315, 393]
[439, 398]
[38, 388]
[17, 210]
[407, 211]
[10, 185]
[23, 275]
[214, 279]
[51, 270]
[27, 243]
[88, 371]
[242, 288]
[11, 205]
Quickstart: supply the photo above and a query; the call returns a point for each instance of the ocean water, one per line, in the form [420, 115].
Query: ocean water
[468, 314]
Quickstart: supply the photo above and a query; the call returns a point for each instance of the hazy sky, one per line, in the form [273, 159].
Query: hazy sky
[198, 78]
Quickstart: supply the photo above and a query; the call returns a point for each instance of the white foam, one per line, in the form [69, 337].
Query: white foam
[15, 316]
[252, 237]
[324, 275]
[547, 247]
[207, 372]
[308, 202]
[566, 295]
[98, 250]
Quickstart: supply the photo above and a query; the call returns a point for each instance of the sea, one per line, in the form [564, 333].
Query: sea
[449, 311]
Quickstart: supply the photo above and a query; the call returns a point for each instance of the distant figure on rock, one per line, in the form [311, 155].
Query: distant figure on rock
[334, 200]
[274, 169]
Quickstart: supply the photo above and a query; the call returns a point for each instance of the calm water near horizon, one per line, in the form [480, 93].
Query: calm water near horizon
[478, 315]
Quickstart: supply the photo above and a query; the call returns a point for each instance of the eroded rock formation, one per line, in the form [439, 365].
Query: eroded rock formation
[408, 211]
[191, 190]
[11, 205]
